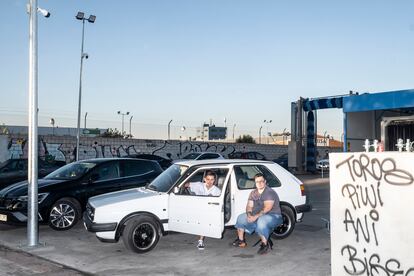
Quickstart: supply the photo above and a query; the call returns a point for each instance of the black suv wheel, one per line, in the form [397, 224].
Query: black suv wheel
[64, 214]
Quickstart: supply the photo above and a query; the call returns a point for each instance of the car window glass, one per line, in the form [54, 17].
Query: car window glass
[134, 167]
[260, 156]
[22, 165]
[108, 171]
[71, 171]
[245, 176]
[198, 176]
[191, 156]
[208, 156]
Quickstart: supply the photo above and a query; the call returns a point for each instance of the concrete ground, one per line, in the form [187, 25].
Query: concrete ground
[74, 252]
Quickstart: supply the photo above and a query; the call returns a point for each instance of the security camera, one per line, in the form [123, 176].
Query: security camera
[85, 55]
[44, 12]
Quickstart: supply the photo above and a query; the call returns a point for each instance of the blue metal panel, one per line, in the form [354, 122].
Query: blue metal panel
[316, 104]
[379, 101]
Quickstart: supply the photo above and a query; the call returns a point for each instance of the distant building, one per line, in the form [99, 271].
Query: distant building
[210, 132]
[57, 131]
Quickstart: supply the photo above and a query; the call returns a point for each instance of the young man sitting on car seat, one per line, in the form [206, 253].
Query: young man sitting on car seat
[262, 215]
[206, 188]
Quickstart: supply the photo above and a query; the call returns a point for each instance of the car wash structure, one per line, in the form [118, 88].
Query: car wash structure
[383, 116]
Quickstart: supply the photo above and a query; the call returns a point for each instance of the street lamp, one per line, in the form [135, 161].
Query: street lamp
[91, 19]
[52, 122]
[267, 122]
[169, 125]
[84, 126]
[183, 130]
[130, 119]
[260, 134]
[123, 114]
[32, 191]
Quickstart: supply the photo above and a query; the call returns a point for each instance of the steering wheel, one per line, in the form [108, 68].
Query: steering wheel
[186, 191]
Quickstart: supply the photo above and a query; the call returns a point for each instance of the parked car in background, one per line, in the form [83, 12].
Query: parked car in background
[282, 160]
[201, 156]
[323, 164]
[62, 195]
[164, 163]
[254, 155]
[15, 170]
[140, 216]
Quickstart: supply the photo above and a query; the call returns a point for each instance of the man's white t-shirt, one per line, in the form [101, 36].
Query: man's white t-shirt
[199, 188]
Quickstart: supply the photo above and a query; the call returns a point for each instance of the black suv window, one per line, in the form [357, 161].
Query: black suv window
[208, 156]
[245, 176]
[137, 167]
[107, 171]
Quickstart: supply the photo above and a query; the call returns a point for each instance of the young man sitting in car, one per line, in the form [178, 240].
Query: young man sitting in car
[206, 188]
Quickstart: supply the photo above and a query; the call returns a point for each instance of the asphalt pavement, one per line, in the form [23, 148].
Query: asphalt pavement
[77, 252]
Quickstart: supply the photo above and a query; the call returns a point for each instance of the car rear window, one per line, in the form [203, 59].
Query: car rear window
[245, 176]
[137, 167]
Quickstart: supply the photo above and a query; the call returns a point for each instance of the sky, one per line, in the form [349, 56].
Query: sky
[193, 61]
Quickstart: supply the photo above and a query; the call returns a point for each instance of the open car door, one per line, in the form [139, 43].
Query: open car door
[199, 215]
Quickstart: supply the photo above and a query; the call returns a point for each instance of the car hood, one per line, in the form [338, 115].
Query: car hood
[20, 188]
[121, 196]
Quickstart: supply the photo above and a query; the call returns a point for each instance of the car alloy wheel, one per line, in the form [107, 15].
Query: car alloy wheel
[64, 214]
[144, 235]
[288, 224]
[141, 233]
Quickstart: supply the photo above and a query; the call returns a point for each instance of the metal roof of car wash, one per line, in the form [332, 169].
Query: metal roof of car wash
[379, 101]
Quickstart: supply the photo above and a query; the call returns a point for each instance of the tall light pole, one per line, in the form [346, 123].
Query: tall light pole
[84, 125]
[234, 126]
[52, 122]
[32, 190]
[169, 125]
[91, 19]
[130, 120]
[260, 134]
[123, 114]
[267, 122]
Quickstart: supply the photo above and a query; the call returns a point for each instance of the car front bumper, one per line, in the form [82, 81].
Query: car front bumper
[98, 227]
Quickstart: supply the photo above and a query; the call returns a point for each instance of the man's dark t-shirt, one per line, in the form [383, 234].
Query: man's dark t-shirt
[259, 199]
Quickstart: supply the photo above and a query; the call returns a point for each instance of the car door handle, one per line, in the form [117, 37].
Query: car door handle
[213, 203]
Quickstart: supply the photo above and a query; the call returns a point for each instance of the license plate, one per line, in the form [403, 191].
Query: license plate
[3, 217]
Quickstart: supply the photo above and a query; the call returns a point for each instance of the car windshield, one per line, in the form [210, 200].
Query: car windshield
[71, 171]
[167, 179]
[191, 156]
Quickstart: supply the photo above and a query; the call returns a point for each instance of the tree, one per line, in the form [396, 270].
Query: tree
[248, 139]
[114, 133]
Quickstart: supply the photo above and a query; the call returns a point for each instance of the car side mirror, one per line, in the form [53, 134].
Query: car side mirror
[176, 190]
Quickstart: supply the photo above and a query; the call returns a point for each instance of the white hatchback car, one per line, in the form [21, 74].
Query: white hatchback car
[140, 216]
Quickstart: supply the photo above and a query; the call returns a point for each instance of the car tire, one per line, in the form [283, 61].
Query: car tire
[64, 214]
[289, 221]
[141, 234]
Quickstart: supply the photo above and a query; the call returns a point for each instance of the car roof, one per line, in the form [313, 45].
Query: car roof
[101, 160]
[221, 162]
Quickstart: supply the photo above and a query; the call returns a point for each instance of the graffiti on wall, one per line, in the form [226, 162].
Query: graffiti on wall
[370, 230]
[188, 146]
[18, 148]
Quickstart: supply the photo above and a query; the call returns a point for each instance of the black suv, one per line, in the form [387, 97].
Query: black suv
[15, 170]
[247, 155]
[63, 194]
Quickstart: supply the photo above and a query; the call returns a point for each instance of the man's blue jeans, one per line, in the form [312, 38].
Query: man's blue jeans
[263, 226]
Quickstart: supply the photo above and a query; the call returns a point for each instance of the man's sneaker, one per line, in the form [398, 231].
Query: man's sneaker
[239, 243]
[264, 248]
[200, 245]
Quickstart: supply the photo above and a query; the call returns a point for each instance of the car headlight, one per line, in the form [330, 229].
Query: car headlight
[40, 197]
